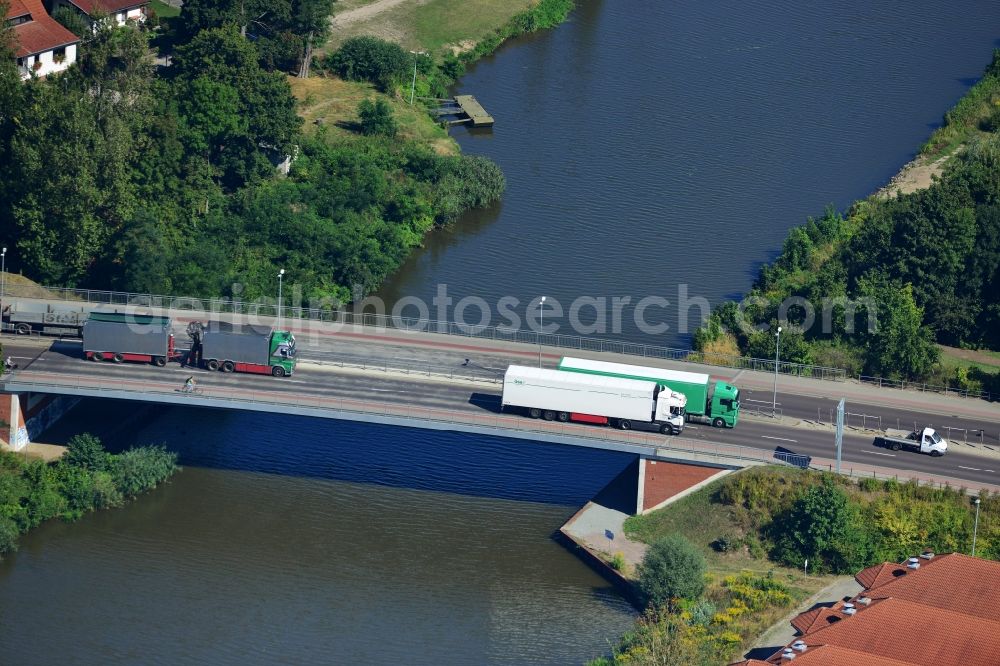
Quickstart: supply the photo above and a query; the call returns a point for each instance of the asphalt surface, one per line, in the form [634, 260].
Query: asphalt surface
[468, 385]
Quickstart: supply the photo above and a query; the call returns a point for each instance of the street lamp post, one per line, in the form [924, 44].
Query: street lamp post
[413, 83]
[975, 529]
[3, 282]
[541, 328]
[777, 343]
[281, 274]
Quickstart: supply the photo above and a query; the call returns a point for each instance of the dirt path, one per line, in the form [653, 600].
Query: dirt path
[917, 175]
[353, 16]
[972, 355]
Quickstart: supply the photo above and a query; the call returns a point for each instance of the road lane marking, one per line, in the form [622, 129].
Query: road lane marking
[782, 439]
[879, 453]
[763, 402]
[990, 471]
[974, 469]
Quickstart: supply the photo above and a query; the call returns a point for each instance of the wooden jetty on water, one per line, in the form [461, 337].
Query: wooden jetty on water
[465, 106]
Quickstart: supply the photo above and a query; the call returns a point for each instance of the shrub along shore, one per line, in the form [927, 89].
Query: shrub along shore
[86, 478]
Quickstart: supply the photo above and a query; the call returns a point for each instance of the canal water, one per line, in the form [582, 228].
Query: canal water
[299, 540]
[665, 148]
[647, 146]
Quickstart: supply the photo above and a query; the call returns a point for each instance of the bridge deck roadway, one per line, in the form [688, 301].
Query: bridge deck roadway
[462, 397]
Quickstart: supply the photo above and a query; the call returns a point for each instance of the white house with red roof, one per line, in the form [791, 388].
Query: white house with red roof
[121, 11]
[42, 46]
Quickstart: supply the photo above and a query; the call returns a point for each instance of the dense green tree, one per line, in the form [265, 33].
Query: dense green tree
[370, 59]
[672, 568]
[86, 451]
[900, 344]
[376, 118]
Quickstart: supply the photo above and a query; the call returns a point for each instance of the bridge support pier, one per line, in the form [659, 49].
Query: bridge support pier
[24, 416]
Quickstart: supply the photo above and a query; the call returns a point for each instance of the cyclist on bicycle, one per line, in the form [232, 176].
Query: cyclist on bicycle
[189, 385]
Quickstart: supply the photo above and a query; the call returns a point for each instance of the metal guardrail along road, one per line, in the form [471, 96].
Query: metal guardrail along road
[386, 322]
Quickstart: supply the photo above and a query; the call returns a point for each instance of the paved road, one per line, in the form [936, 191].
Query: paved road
[474, 392]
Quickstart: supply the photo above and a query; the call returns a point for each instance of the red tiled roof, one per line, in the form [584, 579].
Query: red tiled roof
[833, 655]
[16, 9]
[89, 7]
[816, 618]
[900, 629]
[41, 33]
[955, 582]
[878, 574]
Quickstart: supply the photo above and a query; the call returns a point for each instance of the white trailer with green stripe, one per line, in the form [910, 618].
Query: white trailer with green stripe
[621, 403]
[718, 404]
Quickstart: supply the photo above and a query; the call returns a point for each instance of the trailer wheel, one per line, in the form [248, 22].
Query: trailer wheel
[22, 329]
[896, 446]
[212, 365]
[563, 416]
[668, 429]
[227, 366]
[534, 412]
[117, 358]
[549, 415]
[159, 361]
[625, 424]
[278, 371]
[97, 356]
[718, 422]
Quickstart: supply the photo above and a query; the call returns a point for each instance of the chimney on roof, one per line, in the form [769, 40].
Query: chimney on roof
[913, 563]
[787, 655]
[799, 646]
[927, 555]
[849, 609]
[864, 600]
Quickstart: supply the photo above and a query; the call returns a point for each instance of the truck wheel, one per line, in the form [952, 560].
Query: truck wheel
[97, 356]
[667, 429]
[549, 415]
[625, 424]
[936, 454]
[278, 371]
[227, 366]
[895, 446]
[534, 412]
[563, 416]
[117, 358]
[159, 361]
[212, 365]
[22, 329]
[718, 422]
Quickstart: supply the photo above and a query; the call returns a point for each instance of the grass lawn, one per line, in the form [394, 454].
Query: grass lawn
[430, 25]
[335, 104]
[984, 359]
[164, 10]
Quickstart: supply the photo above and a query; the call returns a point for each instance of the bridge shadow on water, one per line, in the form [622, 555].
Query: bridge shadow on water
[461, 463]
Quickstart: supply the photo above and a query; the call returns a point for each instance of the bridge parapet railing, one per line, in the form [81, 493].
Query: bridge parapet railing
[732, 455]
[655, 445]
[390, 322]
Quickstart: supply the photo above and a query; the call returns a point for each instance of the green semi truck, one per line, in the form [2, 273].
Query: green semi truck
[718, 404]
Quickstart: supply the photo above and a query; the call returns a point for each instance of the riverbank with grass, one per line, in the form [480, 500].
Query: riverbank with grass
[85, 478]
[754, 531]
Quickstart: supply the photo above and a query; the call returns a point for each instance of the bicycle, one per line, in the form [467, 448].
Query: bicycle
[194, 390]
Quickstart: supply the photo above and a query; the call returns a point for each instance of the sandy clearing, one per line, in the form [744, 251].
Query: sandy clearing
[917, 175]
[353, 16]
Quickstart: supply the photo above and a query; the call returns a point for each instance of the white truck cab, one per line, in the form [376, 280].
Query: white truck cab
[925, 440]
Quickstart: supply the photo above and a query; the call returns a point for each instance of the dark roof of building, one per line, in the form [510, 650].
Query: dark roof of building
[42, 33]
